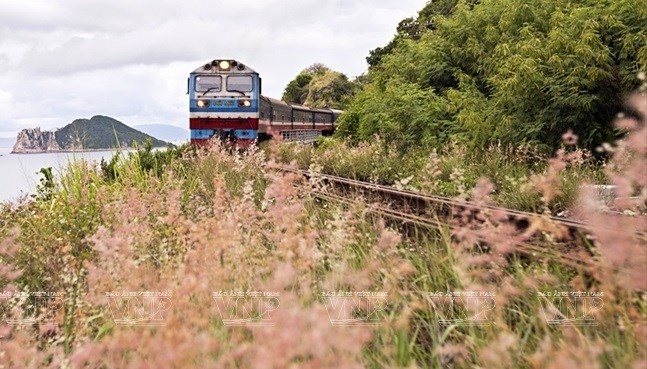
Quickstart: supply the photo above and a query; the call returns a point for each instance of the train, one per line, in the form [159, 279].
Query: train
[226, 103]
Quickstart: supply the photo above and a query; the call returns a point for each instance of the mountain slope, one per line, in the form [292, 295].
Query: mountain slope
[165, 132]
[101, 132]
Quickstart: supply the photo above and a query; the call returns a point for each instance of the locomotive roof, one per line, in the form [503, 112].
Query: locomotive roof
[235, 67]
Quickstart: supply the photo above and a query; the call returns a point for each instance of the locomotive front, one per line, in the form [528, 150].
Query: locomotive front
[224, 103]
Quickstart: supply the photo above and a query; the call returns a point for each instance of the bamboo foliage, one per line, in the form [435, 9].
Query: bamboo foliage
[506, 71]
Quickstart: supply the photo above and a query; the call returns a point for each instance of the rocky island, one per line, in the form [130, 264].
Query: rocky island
[97, 133]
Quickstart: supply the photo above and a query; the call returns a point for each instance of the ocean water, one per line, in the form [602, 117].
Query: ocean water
[19, 173]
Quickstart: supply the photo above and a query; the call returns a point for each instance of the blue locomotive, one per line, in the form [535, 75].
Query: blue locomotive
[225, 102]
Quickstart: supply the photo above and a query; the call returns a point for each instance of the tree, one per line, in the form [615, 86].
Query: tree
[504, 71]
[296, 91]
[319, 86]
[330, 89]
[317, 69]
[413, 28]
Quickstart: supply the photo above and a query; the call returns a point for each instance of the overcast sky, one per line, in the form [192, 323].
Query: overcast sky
[67, 59]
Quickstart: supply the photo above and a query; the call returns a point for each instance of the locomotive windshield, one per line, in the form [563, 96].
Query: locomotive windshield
[239, 83]
[208, 83]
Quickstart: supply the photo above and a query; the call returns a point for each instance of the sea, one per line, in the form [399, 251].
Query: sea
[20, 173]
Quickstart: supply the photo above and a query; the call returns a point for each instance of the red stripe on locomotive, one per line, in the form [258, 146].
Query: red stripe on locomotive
[220, 123]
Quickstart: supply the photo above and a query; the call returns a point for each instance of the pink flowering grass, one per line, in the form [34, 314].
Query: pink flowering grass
[144, 264]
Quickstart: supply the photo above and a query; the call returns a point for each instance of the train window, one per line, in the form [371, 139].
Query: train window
[239, 83]
[208, 83]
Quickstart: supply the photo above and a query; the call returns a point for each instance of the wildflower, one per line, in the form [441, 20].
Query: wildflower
[569, 138]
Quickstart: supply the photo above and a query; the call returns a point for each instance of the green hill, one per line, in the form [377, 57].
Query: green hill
[101, 132]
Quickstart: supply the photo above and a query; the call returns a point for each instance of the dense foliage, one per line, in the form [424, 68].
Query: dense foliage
[296, 91]
[101, 132]
[503, 71]
[319, 87]
[410, 28]
[148, 160]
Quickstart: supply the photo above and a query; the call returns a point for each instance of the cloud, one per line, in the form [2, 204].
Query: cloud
[62, 60]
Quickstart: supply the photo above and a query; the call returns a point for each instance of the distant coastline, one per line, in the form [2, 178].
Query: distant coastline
[99, 133]
[80, 150]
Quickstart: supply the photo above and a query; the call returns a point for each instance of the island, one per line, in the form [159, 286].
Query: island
[97, 133]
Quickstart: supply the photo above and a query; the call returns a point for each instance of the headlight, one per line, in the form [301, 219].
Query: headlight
[224, 65]
[202, 103]
[245, 103]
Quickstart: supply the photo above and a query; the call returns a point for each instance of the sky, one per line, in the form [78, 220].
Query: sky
[66, 59]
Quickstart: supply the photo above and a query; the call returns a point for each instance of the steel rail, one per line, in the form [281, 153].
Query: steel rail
[521, 247]
[445, 201]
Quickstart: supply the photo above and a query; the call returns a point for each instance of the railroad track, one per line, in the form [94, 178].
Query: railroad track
[573, 237]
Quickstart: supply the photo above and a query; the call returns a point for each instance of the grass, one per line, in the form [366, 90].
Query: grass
[153, 235]
[453, 171]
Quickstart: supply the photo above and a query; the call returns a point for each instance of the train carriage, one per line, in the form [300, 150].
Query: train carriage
[279, 116]
[324, 120]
